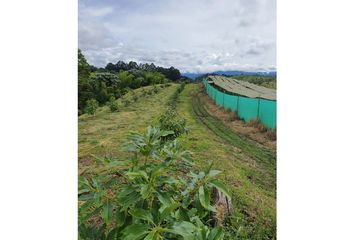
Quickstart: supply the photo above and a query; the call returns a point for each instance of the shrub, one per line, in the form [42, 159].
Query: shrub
[170, 121]
[91, 106]
[148, 196]
[112, 104]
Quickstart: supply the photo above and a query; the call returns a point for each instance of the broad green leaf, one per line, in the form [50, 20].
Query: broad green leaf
[168, 210]
[204, 198]
[184, 229]
[213, 173]
[135, 231]
[128, 197]
[141, 214]
[216, 234]
[138, 174]
[220, 187]
[144, 191]
[107, 212]
[120, 218]
[166, 133]
[151, 236]
[164, 198]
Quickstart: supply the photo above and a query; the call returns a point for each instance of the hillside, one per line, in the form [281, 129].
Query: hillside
[248, 169]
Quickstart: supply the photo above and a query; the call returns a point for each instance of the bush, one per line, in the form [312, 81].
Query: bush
[91, 106]
[148, 196]
[112, 104]
[170, 121]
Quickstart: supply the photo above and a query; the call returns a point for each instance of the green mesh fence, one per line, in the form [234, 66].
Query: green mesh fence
[245, 108]
[230, 102]
[268, 112]
[219, 98]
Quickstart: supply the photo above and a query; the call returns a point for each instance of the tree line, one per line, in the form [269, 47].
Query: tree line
[113, 81]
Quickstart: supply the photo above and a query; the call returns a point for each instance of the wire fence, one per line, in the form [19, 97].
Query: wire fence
[245, 108]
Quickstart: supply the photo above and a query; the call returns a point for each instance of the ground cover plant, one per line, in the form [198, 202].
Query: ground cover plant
[149, 196]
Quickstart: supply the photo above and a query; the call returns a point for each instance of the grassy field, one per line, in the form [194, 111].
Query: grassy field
[248, 169]
[106, 132]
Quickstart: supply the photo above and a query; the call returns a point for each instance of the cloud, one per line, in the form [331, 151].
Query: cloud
[194, 36]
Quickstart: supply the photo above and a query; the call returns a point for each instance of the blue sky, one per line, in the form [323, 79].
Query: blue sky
[193, 36]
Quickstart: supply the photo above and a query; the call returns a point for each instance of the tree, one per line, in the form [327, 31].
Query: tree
[84, 88]
[83, 66]
[125, 79]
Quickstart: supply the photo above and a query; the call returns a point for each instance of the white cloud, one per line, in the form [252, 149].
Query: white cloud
[194, 36]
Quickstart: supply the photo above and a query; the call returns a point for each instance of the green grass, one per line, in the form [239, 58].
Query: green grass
[248, 170]
[106, 132]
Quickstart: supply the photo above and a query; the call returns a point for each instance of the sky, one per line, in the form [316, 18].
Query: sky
[196, 36]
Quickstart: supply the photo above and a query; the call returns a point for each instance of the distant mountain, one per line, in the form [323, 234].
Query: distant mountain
[230, 73]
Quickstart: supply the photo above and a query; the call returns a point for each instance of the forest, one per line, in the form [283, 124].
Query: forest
[100, 85]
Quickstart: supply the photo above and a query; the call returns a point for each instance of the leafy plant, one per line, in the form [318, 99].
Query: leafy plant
[91, 106]
[149, 196]
[170, 121]
[112, 104]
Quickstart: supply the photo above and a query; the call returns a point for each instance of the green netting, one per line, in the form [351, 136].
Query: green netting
[219, 98]
[268, 113]
[247, 108]
[230, 102]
